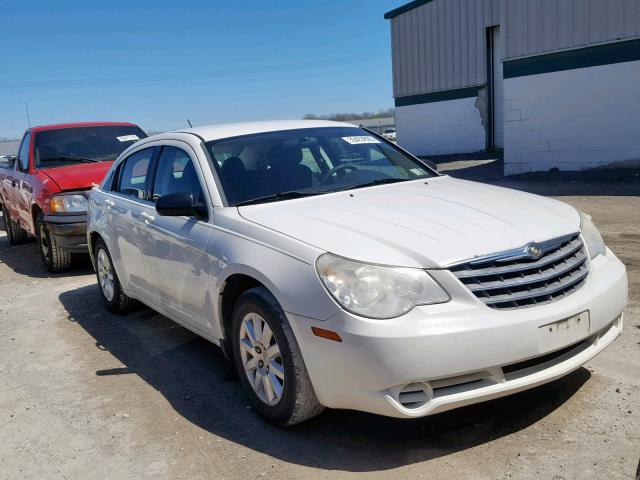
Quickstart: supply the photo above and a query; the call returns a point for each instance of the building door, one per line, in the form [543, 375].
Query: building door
[497, 91]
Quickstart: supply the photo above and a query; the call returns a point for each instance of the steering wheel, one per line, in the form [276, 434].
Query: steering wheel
[339, 168]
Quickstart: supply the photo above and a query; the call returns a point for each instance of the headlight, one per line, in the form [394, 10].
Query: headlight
[69, 203]
[375, 291]
[591, 235]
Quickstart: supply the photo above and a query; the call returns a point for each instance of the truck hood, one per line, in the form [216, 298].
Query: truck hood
[418, 224]
[79, 176]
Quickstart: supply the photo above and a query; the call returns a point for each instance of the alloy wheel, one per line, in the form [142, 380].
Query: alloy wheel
[105, 275]
[261, 359]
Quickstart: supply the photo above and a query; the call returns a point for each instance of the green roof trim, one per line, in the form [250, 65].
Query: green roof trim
[593, 56]
[405, 8]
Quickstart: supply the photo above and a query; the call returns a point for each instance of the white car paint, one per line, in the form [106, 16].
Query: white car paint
[179, 267]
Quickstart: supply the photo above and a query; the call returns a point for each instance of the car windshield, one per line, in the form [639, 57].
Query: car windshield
[65, 146]
[293, 163]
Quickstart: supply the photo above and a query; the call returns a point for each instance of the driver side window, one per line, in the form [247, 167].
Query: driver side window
[23, 154]
[176, 173]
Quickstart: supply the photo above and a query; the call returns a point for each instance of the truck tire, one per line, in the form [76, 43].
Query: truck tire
[54, 257]
[270, 365]
[15, 233]
[111, 290]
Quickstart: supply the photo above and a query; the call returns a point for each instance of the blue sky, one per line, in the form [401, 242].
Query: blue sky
[160, 62]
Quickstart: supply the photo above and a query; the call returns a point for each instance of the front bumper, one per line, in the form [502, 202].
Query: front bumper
[445, 356]
[69, 231]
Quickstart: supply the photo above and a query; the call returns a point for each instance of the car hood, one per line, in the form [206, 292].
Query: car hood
[79, 176]
[418, 224]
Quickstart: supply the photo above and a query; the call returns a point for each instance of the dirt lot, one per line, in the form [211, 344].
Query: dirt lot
[85, 394]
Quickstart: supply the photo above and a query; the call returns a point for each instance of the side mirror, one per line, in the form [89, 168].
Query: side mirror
[11, 160]
[180, 204]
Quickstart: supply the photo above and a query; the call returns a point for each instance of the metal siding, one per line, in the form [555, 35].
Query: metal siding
[440, 45]
[498, 89]
[543, 26]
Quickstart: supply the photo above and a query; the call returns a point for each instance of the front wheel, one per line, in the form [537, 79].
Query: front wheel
[269, 362]
[54, 257]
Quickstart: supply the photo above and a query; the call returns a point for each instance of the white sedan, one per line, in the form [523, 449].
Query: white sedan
[337, 270]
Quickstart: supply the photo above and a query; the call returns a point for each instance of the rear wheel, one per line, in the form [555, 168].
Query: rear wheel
[54, 257]
[269, 362]
[110, 288]
[15, 233]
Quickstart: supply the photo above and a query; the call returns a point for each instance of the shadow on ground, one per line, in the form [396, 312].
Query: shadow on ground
[488, 167]
[194, 377]
[25, 259]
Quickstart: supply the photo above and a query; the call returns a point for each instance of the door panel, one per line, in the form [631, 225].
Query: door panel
[176, 258]
[125, 208]
[179, 266]
[23, 198]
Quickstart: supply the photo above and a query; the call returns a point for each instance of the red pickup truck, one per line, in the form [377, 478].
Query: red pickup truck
[44, 189]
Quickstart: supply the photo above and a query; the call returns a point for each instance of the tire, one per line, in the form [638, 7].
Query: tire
[54, 257]
[297, 400]
[109, 285]
[15, 233]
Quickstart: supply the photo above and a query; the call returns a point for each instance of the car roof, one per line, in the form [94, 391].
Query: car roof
[42, 128]
[226, 130]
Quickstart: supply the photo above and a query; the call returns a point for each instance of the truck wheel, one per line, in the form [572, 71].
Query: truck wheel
[54, 257]
[15, 233]
[269, 362]
[110, 288]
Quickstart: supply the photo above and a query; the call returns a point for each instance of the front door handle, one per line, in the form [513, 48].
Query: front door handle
[147, 217]
[109, 203]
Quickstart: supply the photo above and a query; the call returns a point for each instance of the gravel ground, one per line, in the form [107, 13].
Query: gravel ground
[86, 394]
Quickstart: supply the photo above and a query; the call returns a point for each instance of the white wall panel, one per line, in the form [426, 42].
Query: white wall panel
[436, 128]
[574, 119]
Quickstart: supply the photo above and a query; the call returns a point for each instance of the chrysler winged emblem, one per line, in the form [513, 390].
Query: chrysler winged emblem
[534, 250]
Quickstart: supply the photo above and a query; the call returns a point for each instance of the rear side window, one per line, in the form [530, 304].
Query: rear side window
[23, 154]
[176, 173]
[133, 174]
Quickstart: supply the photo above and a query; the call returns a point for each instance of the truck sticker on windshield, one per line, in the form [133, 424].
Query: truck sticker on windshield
[128, 138]
[359, 140]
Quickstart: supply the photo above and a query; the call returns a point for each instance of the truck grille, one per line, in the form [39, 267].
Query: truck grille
[517, 279]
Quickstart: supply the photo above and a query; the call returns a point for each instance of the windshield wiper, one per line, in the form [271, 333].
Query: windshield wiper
[71, 158]
[378, 181]
[278, 196]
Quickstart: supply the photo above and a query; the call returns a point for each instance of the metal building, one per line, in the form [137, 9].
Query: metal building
[556, 83]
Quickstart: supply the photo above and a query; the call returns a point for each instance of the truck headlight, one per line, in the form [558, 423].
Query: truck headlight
[69, 203]
[375, 291]
[592, 238]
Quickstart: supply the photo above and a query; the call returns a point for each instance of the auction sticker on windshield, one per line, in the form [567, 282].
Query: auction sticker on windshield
[358, 140]
[128, 138]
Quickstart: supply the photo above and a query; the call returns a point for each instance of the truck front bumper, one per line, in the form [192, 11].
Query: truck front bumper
[69, 231]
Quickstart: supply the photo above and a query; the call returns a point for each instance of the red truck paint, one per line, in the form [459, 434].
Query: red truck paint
[25, 194]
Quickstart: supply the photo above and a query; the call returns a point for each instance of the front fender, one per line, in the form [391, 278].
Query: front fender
[292, 281]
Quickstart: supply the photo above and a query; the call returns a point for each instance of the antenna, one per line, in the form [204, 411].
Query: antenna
[26, 107]
[189, 122]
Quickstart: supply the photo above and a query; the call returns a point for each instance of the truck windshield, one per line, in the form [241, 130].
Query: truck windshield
[65, 146]
[287, 164]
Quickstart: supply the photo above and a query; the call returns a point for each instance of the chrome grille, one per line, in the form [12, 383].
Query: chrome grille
[516, 279]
